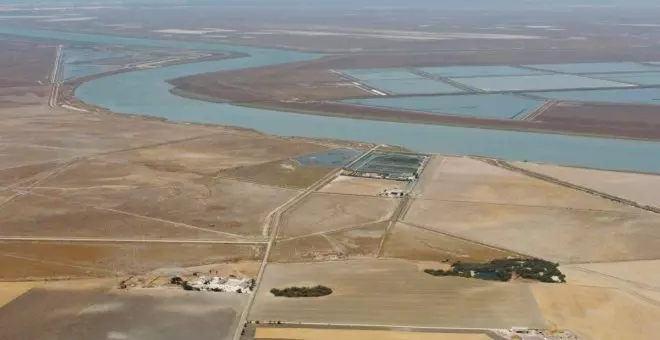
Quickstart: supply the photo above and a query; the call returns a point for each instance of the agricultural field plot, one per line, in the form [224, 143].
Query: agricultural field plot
[470, 180]
[642, 274]
[372, 292]
[186, 204]
[479, 71]
[649, 96]
[356, 334]
[350, 185]
[288, 173]
[586, 68]
[342, 244]
[640, 188]
[322, 212]
[14, 97]
[498, 106]
[596, 313]
[49, 260]
[412, 243]
[537, 83]
[555, 234]
[147, 314]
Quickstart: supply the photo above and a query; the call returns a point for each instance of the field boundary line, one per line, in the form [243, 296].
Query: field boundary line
[508, 166]
[119, 240]
[359, 226]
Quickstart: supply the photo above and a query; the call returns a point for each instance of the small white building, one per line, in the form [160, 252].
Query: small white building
[393, 193]
[220, 284]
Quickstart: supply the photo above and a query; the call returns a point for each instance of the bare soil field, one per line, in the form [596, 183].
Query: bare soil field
[557, 234]
[148, 314]
[595, 313]
[343, 244]
[43, 260]
[321, 212]
[361, 186]
[412, 243]
[25, 63]
[469, 180]
[287, 173]
[393, 292]
[640, 188]
[354, 334]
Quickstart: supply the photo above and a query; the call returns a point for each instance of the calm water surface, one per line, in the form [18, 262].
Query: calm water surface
[145, 92]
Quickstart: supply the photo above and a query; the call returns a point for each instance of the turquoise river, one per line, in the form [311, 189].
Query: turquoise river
[146, 92]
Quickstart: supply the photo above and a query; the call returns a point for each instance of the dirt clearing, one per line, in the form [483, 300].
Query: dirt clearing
[361, 186]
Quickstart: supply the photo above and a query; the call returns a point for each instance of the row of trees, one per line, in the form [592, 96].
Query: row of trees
[302, 291]
[504, 269]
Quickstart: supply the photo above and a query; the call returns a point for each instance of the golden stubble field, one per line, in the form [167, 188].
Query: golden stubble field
[393, 292]
[356, 334]
[471, 199]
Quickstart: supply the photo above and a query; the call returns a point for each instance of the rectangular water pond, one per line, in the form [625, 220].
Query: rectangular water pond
[542, 82]
[644, 78]
[412, 86]
[637, 96]
[583, 68]
[479, 71]
[379, 74]
[331, 158]
[498, 106]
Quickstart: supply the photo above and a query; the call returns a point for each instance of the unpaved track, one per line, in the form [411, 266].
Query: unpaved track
[272, 225]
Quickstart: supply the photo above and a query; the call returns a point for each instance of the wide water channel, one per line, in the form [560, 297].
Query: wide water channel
[145, 92]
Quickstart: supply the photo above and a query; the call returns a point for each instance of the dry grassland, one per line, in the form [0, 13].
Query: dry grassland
[562, 235]
[361, 186]
[13, 97]
[349, 243]
[147, 314]
[353, 334]
[321, 212]
[183, 200]
[640, 188]
[412, 243]
[393, 292]
[596, 313]
[12, 290]
[287, 173]
[469, 180]
[27, 260]
[209, 155]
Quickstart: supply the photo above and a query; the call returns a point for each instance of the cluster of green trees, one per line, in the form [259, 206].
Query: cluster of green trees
[302, 291]
[504, 269]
